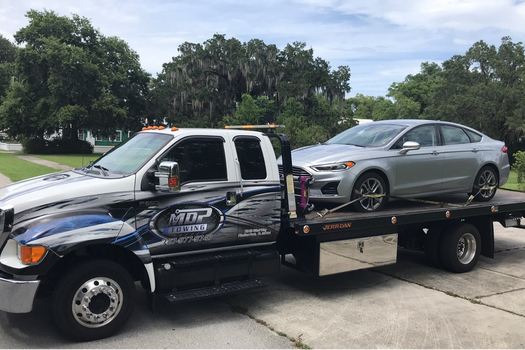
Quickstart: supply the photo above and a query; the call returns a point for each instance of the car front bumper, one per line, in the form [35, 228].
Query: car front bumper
[17, 296]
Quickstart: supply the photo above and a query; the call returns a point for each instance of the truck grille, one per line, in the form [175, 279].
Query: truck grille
[6, 222]
[296, 171]
[2, 221]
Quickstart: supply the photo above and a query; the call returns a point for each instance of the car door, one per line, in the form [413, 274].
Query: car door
[460, 160]
[258, 209]
[196, 217]
[417, 172]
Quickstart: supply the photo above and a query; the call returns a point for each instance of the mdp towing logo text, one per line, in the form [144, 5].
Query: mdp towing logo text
[186, 219]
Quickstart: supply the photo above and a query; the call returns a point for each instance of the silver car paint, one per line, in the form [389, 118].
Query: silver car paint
[418, 173]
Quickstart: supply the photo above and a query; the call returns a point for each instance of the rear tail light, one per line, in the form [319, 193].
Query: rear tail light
[504, 149]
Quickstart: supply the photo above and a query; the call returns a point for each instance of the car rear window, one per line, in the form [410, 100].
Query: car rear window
[474, 136]
[453, 135]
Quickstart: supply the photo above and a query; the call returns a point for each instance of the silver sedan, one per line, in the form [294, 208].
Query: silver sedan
[402, 158]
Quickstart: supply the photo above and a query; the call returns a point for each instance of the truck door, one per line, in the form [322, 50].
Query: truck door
[258, 208]
[196, 217]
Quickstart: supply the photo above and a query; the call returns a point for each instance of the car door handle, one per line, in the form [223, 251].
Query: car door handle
[435, 153]
[475, 150]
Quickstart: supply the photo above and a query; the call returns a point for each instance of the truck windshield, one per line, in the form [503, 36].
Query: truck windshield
[130, 156]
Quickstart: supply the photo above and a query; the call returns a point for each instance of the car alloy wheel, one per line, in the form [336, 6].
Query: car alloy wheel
[487, 183]
[370, 192]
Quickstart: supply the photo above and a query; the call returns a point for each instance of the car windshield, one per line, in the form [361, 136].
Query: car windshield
[367, 135]
[130, 156]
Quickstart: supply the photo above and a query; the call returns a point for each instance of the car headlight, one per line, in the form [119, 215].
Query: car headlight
[334, 166]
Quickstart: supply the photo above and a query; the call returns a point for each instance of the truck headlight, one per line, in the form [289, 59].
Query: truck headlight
[31, 254]
[334, 166]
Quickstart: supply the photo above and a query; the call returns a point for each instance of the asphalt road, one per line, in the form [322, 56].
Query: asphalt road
[401, 306]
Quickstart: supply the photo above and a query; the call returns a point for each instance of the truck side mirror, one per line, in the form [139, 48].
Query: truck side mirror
[168, 176]
[409, 146]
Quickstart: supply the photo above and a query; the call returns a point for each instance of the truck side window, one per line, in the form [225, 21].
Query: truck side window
[200, 159]
[251, 158]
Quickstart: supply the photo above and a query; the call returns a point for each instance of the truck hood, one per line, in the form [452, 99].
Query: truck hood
[60, 187]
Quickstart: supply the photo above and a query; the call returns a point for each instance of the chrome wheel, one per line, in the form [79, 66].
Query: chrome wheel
[373, 191]
[97, 302]
[466, 248]
[487, 183]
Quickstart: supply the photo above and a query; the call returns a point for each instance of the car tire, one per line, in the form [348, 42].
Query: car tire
[370, 183]
[93, 300]
[486, 176]
[460, 248]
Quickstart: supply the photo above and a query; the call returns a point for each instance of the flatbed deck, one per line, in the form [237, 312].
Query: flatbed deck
[400, 213]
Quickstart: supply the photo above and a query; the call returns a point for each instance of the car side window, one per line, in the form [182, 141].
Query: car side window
[424, 135]
[200, 159]
[251, 158]
[453, 135]
[474, 136]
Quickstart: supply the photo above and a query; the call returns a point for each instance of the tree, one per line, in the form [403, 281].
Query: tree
[7, 59]
[483, 88]
[260, 110]
[69, 77]
[207, 81]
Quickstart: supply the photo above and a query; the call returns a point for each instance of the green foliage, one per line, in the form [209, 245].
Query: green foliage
[7, 66]
[260, 110]
[519, 165]
[207, 81]
[56, 146]
[300, 131]
[369, 107]
[69, 77]
[483, 88]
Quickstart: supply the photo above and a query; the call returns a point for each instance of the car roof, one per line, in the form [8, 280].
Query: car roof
[414, 122]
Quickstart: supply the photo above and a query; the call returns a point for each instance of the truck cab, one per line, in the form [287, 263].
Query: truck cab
[177, 209]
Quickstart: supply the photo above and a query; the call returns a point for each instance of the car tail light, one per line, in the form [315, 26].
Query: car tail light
[504, 149]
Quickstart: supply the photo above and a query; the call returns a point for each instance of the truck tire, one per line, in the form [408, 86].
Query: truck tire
[93, 300]
[460, 248]
[487, 176]
[374, 184]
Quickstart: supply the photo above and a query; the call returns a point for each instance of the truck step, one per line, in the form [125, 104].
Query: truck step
[210, 292]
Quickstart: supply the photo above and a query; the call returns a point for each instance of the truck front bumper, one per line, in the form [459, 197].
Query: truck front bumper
[17, 296]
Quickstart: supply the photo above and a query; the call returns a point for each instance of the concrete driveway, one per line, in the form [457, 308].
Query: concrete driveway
[402, 306]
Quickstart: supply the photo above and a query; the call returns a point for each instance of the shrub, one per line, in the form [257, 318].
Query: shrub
[519, 165]
[57, 146]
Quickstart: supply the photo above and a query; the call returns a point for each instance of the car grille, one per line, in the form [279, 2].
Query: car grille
[296, 171]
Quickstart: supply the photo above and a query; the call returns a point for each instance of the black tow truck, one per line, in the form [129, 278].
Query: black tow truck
[197, 213]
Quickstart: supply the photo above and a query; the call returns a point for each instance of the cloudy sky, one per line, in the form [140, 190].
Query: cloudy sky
[381, 41]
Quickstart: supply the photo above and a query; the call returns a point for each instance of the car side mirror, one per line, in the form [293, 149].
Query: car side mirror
[168, 176]
[409, 146]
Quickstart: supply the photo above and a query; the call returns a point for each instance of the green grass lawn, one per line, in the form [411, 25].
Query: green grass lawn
[72, 160]
[17, 169]
[512, 182]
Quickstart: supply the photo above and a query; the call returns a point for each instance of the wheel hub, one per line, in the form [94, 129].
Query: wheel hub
[466, 248]
[97, 302]
[487, 183]
[373, 193]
